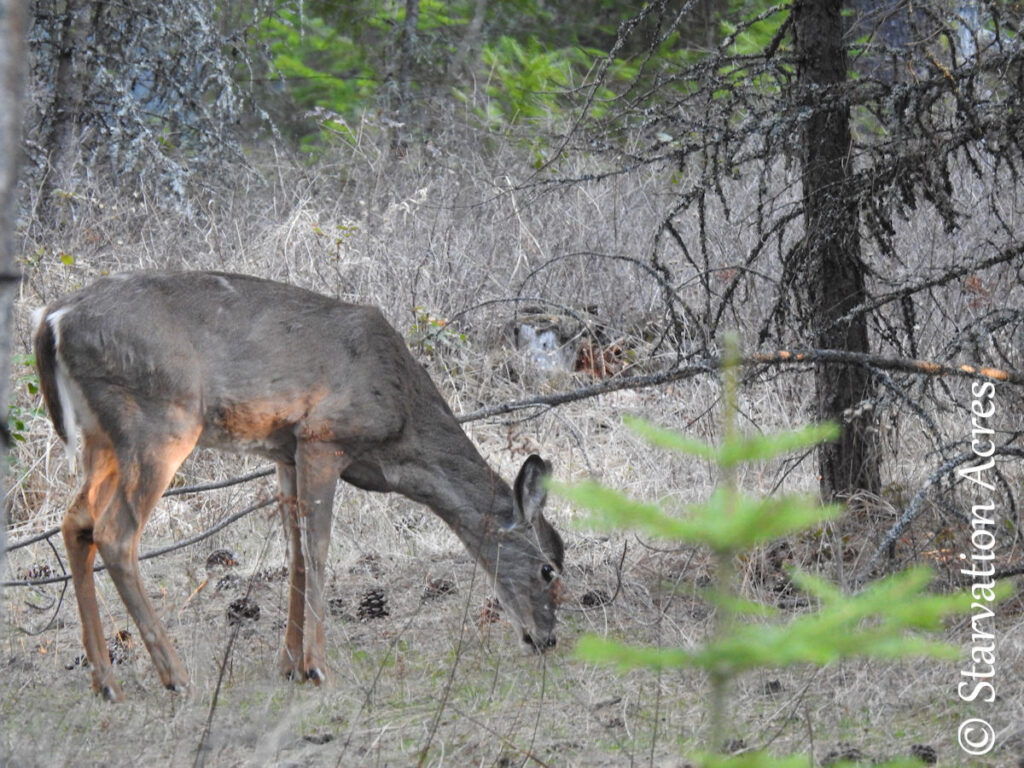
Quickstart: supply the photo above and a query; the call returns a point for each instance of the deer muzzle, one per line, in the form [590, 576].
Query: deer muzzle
[542, 646]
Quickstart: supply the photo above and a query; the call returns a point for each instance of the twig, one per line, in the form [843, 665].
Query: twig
[58, 602]
[914, 508]
[608, 385]
[540, 711]
[1013, 570]
[450, 680]
[169, 492]
[367, 699]
[155, 552]
[500, 736]
[201, 747]
[33, 539]
[221, 483]
[710, 364]
[956, 273]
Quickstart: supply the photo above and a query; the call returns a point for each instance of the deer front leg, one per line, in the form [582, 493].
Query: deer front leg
[318, 467]
[291, 654]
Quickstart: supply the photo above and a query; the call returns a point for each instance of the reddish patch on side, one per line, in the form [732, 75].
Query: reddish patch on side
[255, 420]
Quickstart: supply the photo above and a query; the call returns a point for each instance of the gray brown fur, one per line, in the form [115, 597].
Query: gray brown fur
[149, 365]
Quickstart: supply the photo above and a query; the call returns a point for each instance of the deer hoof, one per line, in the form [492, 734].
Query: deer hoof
[316, 675]
[104, 683]
[289, 667]
[112, 692]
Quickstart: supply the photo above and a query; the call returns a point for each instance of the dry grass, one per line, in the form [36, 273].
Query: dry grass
[446, 235]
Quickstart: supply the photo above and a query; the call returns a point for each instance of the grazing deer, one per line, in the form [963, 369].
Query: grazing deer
[139, 369]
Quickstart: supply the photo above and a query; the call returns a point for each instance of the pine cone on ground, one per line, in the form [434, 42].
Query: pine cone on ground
[120, 647]
[373, 605]
[221, 558]
[243, 609]
[437, 588]
[490, 613]
[336, 606]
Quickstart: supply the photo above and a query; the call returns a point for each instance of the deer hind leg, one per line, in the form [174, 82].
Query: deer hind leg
[318, 467]
[143, 476]
[291, 653]
[79, 521]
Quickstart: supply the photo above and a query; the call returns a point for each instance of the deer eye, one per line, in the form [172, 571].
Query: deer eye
[547, 573]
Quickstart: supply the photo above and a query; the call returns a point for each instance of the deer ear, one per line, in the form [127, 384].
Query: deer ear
[529, 493]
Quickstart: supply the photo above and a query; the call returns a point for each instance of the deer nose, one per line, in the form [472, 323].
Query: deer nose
[545, 645]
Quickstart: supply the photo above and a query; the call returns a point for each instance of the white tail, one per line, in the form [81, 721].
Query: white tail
[146, 366]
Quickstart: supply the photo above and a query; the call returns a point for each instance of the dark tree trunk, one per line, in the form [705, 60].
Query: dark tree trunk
[12, 72]
[834, 267]
[65, 111]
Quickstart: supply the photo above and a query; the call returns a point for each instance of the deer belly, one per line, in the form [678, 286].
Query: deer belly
[266, 427]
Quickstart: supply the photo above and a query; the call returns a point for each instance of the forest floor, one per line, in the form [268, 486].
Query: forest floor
[424, 671]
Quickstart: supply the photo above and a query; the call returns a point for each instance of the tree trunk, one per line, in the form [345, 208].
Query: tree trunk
[832, 241]
[406, 61]
[12, 70]
[65, 111]
[469, 47]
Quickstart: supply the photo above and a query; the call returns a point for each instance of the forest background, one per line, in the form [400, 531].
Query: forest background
[563, 206]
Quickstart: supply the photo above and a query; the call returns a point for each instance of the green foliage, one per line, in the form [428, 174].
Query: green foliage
[740, 449]
[27, 377]
[437, 15]
[525, 78]
[341, 59]
[873, 623]
[535, 61]
[760, 23]
[888, 619]
[322, 66]
[727, 522]
[26, 373]
[433, 335]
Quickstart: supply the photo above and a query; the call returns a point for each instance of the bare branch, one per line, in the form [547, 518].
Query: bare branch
[916, 504]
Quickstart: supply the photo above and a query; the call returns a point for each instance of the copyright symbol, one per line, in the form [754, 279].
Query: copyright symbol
[976, 737]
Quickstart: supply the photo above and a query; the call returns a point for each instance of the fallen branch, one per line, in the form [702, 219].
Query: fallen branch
[604, 387]
[264, 472]
[155, 552]
[169, 492]
[915, 506]
[906, 365]
[713, 363]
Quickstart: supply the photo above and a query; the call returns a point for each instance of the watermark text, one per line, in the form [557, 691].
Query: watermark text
[978, 677]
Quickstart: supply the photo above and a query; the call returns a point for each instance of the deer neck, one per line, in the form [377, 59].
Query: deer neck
[460, 487]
